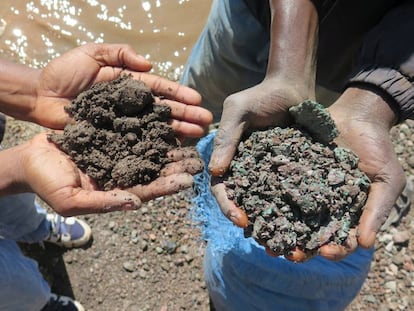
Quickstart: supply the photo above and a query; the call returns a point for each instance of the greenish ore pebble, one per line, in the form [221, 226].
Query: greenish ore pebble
[316, 120]
[297, 190]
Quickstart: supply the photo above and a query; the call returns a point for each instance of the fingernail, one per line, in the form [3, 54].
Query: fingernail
[129, 206]
[142, 58]
[216, 171]
[239, 218]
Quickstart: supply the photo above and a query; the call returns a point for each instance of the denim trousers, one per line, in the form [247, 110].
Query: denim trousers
[231, 55]
[22, 287]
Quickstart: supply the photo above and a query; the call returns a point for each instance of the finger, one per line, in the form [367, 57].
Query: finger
[333, 251]
[226, 142]
[169, 89]
[229, 209]
[90, 202]
[189, 113]
[381, 198]
[191, 166]
[183, 153]
[296, 255]
[185, 129]
[163, 186]
[117, 55]
[271, 253]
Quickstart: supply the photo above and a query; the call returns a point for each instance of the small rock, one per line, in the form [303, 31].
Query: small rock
[401, 237]
[391, 285]
[128, 266]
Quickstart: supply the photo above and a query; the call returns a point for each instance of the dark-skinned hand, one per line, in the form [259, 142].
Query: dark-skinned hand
[75, 71]
[364, 120]
[40, 167]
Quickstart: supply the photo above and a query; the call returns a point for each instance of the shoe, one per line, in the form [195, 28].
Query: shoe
[68, 232]
[62, 303]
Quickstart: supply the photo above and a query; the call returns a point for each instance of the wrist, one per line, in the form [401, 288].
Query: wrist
[18, 84]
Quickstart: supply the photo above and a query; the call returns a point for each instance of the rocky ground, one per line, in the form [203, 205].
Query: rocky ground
[151, 259]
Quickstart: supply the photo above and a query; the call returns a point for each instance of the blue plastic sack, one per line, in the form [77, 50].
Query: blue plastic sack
[241, 276]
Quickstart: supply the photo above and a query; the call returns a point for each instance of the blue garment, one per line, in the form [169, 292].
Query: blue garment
[241, 276]
[22, 287]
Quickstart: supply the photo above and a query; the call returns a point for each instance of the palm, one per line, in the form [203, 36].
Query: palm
[378, 160]
[65, 77]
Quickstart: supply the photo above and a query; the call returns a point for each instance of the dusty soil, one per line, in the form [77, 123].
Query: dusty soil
[297, 192]
[151, 259]
[120, 137]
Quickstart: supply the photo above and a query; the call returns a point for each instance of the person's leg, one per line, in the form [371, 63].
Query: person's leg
[23, 219]
[20, 220]
[230, 54]
[22, 287]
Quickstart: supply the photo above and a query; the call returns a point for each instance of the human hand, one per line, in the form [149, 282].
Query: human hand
[75, 71]
[44, 169]
[364, 121]
[261, 106]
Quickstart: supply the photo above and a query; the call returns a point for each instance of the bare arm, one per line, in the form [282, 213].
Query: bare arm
[293, 43]
[17, 89]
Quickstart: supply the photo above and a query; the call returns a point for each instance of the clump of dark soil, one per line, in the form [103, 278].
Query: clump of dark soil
[120, 137]
[298, 190]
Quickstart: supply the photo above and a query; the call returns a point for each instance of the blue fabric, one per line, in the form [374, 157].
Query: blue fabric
[21, 219]
[22, 286]
[241, 276]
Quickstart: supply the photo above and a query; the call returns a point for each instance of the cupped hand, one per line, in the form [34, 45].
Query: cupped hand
[258, 107]
[51, 174]
[77, 70]
[261, 106]
[364, 120]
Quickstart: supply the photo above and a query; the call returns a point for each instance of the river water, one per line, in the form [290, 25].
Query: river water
[164, 31]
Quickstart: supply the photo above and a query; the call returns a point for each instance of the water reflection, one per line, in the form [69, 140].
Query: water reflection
[33, 32]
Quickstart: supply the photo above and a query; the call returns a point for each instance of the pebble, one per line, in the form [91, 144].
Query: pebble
[391, 285]
[147, 226]
[128, 266]
[401, 237]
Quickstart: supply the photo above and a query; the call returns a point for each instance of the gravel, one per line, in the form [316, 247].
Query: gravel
[151, 259]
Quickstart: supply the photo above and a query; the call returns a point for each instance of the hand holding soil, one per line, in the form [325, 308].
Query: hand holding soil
[122, 140]
[299, 192]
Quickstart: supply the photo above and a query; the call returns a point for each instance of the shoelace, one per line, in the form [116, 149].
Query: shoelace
[57, 303]
[59, 229]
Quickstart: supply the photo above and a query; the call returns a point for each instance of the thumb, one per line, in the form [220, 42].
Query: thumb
[381, 198]
[117, 55]
[225, 143]
[93, 202]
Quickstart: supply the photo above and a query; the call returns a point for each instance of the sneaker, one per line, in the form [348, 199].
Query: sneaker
[68, 232]
[62, 303]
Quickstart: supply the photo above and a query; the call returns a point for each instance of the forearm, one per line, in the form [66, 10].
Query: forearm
[17, 89]
[293, 42]
[11, 170]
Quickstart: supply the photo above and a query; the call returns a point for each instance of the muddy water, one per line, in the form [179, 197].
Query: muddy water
[33, 32]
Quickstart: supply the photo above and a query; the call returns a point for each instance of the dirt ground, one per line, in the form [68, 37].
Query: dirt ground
[151, 259]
